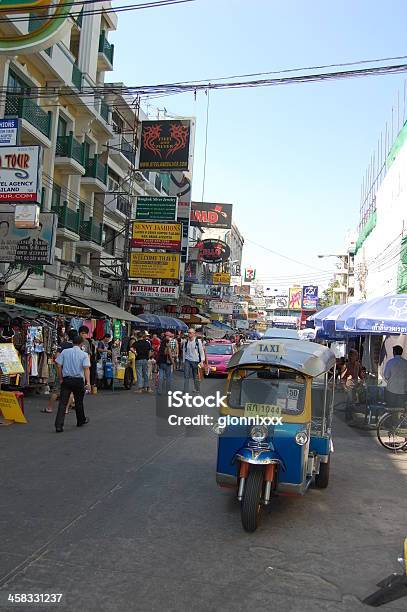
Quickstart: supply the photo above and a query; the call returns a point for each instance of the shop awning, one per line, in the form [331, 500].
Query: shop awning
[110, 310]
[23, 310]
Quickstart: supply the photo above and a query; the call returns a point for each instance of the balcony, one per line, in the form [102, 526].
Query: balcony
[95, 175]
[122, 151]
[69, 155]
[68, 219]
[105, 111]
[29, 111]
[106, 53]
[90, 235]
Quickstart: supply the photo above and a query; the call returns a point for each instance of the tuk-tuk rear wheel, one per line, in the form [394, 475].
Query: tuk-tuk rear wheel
[251, 506]
[322, 479]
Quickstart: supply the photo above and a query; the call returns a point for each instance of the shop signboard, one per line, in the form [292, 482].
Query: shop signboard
[309, 297]
[151, 208]
[213, 251]
[154, 265]
[20, 174]
[200, 289]
[153, 235]
[9, 132]
[249, 275]
[160, 291]
[221, 278]
[295, 298]
[164, 145]
[221, 307]
[29, 246]
[212, 215]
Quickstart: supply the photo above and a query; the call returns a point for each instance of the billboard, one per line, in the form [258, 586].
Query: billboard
[160, 291]
[154, 265]
[221, 307]
[156, 235]
[31, 246]
[20, 174]
[205, 214]
[295, 298]
[151, 208]
[164, 145]
[249, 275]
[310, 297]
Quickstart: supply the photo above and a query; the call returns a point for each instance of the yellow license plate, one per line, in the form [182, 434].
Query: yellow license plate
[262, 410]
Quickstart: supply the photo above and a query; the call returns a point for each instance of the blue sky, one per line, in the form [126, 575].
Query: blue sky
[291, 158]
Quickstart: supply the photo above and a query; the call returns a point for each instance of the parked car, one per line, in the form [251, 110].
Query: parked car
[218, 353]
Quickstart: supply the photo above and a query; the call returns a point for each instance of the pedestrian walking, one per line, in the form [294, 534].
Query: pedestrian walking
[395, 375]
[74, 375]
[65, 342]
[166, 364]
[194, 357]
[143, 351]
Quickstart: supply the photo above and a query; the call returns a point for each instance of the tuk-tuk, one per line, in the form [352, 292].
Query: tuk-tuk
[275, 427]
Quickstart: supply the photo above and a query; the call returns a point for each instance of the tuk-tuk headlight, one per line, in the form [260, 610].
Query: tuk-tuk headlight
[301, 437]
[259, 433]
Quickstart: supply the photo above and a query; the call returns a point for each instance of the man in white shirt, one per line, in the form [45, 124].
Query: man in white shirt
[395, 374]
[194, 355]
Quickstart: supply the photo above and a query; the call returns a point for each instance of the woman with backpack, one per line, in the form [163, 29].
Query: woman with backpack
[166, 363]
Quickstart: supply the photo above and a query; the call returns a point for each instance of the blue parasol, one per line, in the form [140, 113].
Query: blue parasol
[382, 315]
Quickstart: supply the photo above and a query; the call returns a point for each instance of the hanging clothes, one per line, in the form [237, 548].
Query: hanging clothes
[100, 329]
[34, 364]
[90, 324]
[76, 324]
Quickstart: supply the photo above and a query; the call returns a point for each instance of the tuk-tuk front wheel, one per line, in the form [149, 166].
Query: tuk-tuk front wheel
[250, 505]
[322, 479]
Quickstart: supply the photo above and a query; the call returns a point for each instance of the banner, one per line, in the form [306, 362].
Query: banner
[20, 174]
[309, 297]
[160, 291]
[295, 298]
[156, 235]
[154, 265]
[205, 214]
[31, 246]
[151, 208]
[249, 275]
[164, 145]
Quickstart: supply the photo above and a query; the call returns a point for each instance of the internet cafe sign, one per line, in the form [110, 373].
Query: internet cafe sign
[50, 19]
[20, 173]
[160, 291]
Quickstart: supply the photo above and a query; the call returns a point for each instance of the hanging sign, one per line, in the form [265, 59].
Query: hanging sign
[156, 235]
[20, 174]
[154, 265]
[30, 246]
[164, 145]
[151, 208]
[213, 251]
[205, 214]
[160, 291]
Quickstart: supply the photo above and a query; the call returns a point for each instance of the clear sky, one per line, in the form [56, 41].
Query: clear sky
[291, 158]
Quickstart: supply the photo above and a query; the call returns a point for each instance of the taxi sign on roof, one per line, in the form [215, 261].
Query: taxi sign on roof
[270, 348]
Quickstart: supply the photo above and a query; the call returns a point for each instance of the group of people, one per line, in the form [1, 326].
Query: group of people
[161, 356]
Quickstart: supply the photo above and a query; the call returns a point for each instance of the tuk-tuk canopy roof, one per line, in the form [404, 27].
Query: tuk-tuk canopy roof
[303, 356]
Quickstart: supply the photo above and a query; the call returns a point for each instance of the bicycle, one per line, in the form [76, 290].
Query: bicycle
[392, 429]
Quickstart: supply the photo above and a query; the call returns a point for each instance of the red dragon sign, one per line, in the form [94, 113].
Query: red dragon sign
[164, 145]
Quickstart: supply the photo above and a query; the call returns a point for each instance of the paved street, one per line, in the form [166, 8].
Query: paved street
[118, 518]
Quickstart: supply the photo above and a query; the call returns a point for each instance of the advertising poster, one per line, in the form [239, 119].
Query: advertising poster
[31, 246]
[154, 265]
[205, 214]
[20, 174]
[309, 297]
[295, 298]
[164, 144]
[156, 235]
[151, 208]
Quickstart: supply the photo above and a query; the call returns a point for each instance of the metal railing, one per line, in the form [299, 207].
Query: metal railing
[77, 77]
[96, 169]
[91, 231]
[104, 110]
[123, 205]
[105, 47]
[67, 217]
[68, 146]
[128, 151]
[28, 109]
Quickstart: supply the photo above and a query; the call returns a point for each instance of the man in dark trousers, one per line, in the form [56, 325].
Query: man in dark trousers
[73, 371]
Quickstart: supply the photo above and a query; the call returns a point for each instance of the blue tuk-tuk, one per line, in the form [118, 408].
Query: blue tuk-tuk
[276, 428]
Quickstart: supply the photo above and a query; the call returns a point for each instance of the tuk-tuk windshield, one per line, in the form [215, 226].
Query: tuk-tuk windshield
[275, 386]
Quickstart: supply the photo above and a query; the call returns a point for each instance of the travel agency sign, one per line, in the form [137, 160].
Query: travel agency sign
[47, 23]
